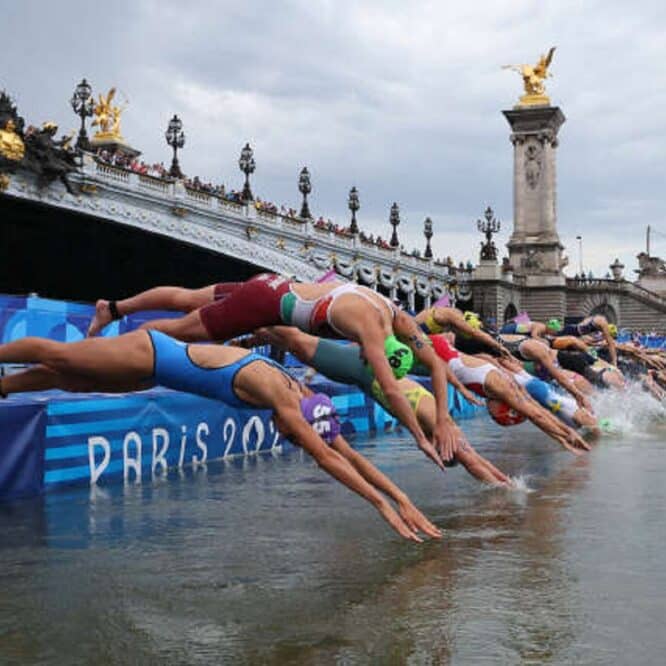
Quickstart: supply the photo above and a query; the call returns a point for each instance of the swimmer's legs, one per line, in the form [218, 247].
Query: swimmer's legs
[43, 378]
[189, 328]
[159, 298]
[126, 358]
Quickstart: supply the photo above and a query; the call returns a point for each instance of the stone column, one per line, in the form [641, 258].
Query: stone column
[534, 247]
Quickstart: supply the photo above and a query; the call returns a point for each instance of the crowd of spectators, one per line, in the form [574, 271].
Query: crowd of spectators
[198, 185]
[370, 239]
[329, 225]
[158, 170]
[122, 161]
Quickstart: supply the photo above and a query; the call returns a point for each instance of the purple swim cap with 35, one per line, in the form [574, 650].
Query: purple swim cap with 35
[319, 411]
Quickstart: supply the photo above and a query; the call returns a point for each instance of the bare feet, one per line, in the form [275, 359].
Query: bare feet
[101, 318]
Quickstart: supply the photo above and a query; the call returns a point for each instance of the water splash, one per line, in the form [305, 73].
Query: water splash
[632, 411]
[519, 484]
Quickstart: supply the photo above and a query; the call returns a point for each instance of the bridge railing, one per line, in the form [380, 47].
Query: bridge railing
[617, 286]
[327, 240]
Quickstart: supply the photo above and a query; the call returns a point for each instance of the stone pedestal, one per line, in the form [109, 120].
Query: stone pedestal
[487, 269]
[113, 143]
[534, 246]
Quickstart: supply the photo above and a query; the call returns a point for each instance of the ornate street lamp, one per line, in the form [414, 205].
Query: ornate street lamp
[305, 187]
[427, 232]
[354, 205]
[490, 226]
[82, 105]
[175, 137]
[247, 165]
[394, 219]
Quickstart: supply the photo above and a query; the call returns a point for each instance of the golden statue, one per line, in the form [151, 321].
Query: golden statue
[107, 117]
[11, 144]
[533, 78]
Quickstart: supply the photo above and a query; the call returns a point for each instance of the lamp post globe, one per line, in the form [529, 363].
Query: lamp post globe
[394, 219]
[247, 165]
[82, 104]
[175, 137]
[489, 226]
[305, 187]
[354, 204]
[427, 232]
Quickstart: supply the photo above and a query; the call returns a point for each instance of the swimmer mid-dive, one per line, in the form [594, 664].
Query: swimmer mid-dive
[537, 355]
[470, 336]
[344, 363]
[234, 376]
[489, 380]
[224, 311]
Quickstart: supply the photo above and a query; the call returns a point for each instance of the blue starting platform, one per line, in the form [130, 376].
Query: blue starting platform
[55, 439]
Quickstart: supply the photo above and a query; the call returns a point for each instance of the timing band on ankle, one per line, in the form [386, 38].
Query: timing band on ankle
[113, 309]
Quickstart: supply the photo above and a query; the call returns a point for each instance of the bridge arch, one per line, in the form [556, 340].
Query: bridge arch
[510, 311]
[600, 304]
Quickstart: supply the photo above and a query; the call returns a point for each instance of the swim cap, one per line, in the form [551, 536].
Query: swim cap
[318, 410]
[554, 325]
[472, 319]
[503, 414]
[613, 330]
[399, 355]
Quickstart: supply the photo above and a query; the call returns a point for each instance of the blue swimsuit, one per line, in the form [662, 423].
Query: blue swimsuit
[174, 369]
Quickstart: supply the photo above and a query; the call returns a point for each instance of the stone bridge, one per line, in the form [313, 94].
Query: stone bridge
[289, 245]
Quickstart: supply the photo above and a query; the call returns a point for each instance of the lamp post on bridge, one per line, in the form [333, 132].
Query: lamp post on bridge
[247, 165]
[427, 232]
[175, 137]
[394, 219]
[82, 104]
[305, 187]
[354, 205]
[489, 226]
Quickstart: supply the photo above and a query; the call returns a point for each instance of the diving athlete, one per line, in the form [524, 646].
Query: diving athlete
[345, 364]
[135, 361]
[331, 309]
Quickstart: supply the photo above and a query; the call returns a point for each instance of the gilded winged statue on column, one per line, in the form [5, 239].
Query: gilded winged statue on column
[533, 79]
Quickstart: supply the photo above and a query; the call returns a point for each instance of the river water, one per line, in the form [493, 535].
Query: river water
[266, 561]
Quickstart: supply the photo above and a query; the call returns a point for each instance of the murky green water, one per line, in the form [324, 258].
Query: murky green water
[266, 561]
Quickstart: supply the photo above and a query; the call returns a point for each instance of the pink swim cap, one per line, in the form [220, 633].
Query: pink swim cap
[319, 411]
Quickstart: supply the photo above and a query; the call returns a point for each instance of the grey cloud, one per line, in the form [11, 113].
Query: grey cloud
[401, 99]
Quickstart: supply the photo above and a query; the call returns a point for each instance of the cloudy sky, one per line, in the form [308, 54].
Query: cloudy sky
[401, 99]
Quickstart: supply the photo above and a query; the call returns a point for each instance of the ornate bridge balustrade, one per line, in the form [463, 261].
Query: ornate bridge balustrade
[275, 242]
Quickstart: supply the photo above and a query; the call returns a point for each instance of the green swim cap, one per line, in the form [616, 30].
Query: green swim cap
[399, 355]
[554, 325]
[472, 319]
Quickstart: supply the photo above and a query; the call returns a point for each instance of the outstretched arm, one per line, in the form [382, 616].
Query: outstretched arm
[457, 321]
[445, 439]
[408, 512]
[610, 340]
[560, 377]
[373, 348]
[293, 425]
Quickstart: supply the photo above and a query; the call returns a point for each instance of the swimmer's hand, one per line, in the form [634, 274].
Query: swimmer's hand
[445, 439]
[397, 523]
[416, 521]
[577, 440]
[430, 451]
